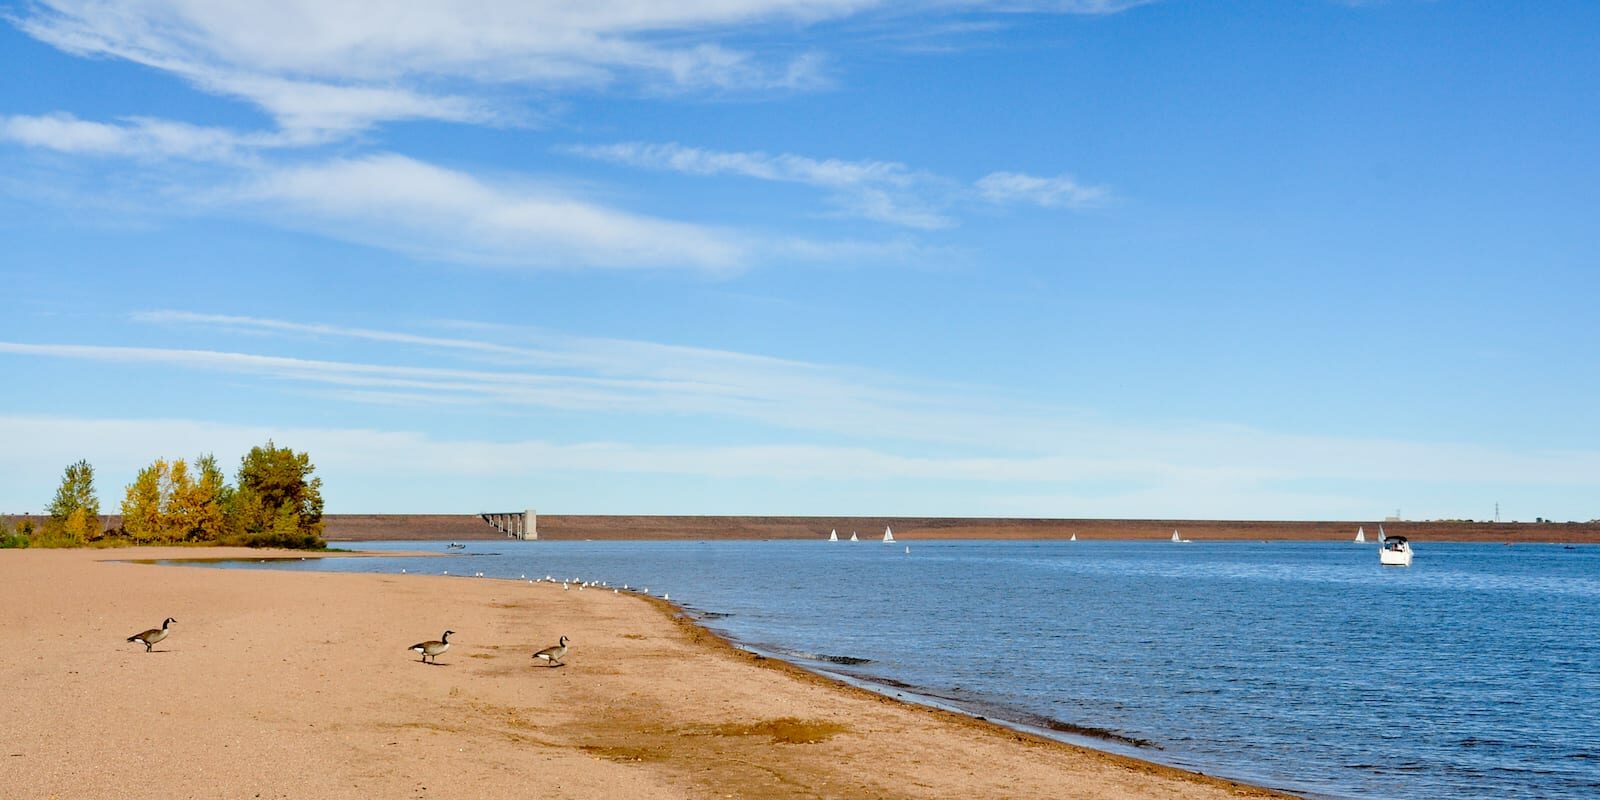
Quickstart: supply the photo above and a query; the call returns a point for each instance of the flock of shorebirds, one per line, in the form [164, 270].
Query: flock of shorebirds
[433, 648]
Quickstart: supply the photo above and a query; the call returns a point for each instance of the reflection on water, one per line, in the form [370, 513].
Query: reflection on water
[1474, 673]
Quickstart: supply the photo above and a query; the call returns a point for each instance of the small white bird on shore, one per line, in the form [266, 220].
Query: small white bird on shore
[153, 636]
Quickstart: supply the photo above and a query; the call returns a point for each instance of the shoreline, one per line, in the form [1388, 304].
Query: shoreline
[651, 704]
[369, 527]
[446, 527]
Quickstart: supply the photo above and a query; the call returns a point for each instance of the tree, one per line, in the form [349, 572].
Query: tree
[201, 504]
[167, 503]
[143, 515]
[10, 538]
[277, 498]
[75, 511]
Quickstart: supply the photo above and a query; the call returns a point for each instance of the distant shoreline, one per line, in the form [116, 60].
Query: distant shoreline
[368, 527]
[425, 527]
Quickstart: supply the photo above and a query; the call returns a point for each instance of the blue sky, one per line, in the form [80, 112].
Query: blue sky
[1301, 259]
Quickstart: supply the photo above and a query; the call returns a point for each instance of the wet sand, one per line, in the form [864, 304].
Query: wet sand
[294, 685]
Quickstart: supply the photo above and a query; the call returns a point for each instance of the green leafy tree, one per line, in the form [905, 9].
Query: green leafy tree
[12, 538]
[277, 498]
[75, 511]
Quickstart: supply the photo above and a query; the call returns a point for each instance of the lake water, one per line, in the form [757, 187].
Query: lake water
[1303, 666]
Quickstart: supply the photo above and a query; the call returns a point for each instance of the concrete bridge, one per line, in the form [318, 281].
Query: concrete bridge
[515, 524]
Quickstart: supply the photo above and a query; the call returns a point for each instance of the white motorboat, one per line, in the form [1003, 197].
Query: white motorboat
[1361, 535]
[888, 535]
[1394, 551]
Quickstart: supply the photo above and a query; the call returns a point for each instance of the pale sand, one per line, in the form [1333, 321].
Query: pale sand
[288, 685]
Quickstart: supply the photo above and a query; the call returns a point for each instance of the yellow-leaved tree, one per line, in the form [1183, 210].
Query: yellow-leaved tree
[143, 514]
[167, 503]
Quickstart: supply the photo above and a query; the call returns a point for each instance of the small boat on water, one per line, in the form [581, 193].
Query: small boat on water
[833, 535]
[1361, 535]
[1393, 551]
[1074, 538]
[1176, 539]
[888, 536]
[853, 537]
[455, 546]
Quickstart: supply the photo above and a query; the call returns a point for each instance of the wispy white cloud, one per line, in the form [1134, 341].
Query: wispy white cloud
[324, 67]
[834, 173]
[888, 427]
[135, 137]
[318, 66]
[1221, 483]
[1061, 191]
[883, 191]
[399, 203]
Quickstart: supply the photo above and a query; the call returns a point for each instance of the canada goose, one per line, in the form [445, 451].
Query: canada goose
[552, 655]
[153, 636]
[432, 648]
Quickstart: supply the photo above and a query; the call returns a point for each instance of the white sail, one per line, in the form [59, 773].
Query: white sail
[1361, 535]
[833, 536]
[888, 535]
[1175, 537]
[1074, 538]
[853, 537]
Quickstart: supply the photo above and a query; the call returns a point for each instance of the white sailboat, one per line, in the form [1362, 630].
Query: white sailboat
[1074, 538]
[888, 535]
[1176, 539]
[853, 537]
[833, 535]
[1361, 535]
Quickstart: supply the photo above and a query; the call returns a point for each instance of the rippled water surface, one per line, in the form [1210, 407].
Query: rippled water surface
[1306, 666]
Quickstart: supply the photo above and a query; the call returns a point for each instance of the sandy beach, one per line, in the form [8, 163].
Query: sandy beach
[294, 685]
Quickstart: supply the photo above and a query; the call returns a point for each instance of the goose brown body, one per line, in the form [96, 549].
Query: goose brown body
[152, 637]
[553, 655]
[432, 648]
